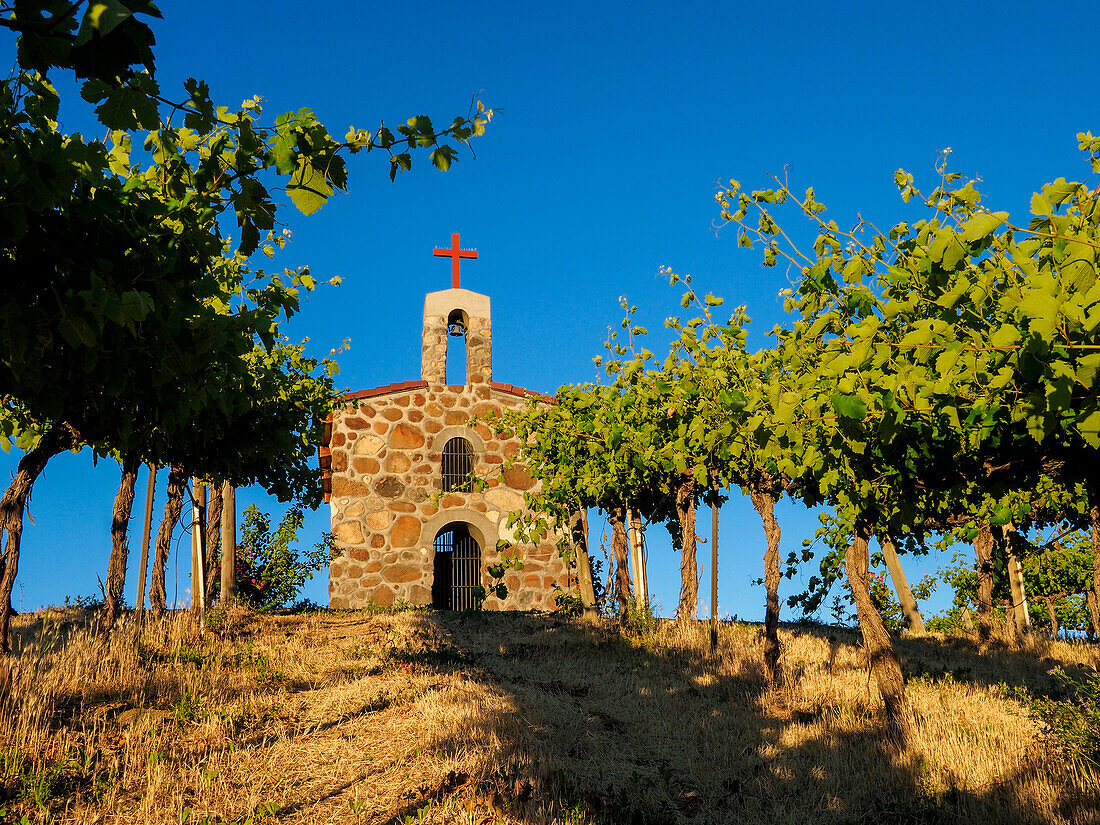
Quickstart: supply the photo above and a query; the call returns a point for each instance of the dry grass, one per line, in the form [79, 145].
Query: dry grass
[486, 718]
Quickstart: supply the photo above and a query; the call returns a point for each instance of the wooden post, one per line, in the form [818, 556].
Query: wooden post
[714, 578]
[1020, 612]
[146, 532]
[229, 543]
[637, 558]
[968, 622]
[1019, 594]
[584, 567]
[198, 539]
[901, 587]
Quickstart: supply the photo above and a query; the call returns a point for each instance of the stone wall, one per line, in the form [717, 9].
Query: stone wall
[386, 488]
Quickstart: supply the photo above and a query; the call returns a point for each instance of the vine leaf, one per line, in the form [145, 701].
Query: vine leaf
[848, 406]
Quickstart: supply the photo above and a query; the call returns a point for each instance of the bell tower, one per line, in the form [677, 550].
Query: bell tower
[453, 317]
[450, 317]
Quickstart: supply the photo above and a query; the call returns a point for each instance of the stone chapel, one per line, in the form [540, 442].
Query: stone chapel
[407, 522]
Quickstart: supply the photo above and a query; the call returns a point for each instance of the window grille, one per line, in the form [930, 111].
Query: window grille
[456, 570]
[458, 465]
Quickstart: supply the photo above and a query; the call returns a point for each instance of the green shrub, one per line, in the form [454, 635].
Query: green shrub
[638, 618]
[270, 568]
[568, 602]
[1073, 724]
[882, 597]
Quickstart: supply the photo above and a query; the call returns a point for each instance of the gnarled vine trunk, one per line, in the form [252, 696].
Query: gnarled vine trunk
[764, 504]
[876, 641]
[177, 483]
[1054, 627]
[56, 439]
[120, 545]
[983, 553]
[689, 567]
[619, 552]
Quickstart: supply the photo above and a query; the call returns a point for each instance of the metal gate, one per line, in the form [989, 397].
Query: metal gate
[457, 569]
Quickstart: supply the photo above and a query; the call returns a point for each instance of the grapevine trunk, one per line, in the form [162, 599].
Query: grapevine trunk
[120, 546]
[764, 503]
[689, 568]
[983, 553]
[579, 531]
[177, 482]
[876, 641]
[57, 439]
[1094, 600]
[619, 549]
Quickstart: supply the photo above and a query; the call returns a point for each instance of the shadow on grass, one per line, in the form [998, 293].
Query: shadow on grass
[596, 724]
[619, 730]
[936, 658]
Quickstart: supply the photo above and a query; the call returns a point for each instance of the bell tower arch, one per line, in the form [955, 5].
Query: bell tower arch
[451, 315]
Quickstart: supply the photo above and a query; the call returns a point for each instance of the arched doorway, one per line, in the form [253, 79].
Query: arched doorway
[456, 569]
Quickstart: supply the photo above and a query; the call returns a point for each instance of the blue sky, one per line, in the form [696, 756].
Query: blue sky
[617, 122]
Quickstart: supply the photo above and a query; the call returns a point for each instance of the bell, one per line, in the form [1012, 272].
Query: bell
[456, 324]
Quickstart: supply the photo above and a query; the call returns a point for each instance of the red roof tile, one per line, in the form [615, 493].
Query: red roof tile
[386, 390]
[512, 389]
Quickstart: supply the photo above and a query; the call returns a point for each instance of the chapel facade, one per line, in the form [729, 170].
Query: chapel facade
[420, 499]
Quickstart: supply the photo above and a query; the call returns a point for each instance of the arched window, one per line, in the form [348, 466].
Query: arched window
[458, 465]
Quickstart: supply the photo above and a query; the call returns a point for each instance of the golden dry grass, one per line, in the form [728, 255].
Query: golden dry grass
[487, 718]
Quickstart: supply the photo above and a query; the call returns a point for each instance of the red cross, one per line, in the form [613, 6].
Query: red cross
[454, 253]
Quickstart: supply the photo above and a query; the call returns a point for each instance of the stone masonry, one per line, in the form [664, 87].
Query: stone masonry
[384, 476]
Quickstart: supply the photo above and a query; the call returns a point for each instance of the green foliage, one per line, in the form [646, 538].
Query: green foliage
[1073, 724]
[114, 245]
[188, 707]
[399, 606]
[568, 602]
[271, 570]
[887, 605]
[950, 622]
[1058, 571]
[938, 375]
[496, 576]
[39, 782]
[638, 618]
[631, 442]
[883, 598]
[840, 610]
[929, 379]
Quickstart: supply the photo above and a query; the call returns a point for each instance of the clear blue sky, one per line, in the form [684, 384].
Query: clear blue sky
[617, 122]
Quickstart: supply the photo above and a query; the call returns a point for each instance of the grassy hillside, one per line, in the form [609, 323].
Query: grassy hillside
[490, 718]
